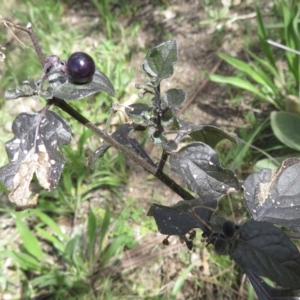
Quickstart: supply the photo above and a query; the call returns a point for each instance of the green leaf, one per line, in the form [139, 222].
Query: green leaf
[180, 281]
[30, 242]
[116, 246]
[50, 222]
[257, 75]
[290, 19]
[48, 279]
[159, 61]
[73, 253]
[242, 150]
[92, 226]
[51, 238]
[104, 227]
[272, 163]
[264, 63]
[55, 278]
[70, 250]
[286, 126]
[173, 98]
[241, 83]
[26, 261]
[263, 38]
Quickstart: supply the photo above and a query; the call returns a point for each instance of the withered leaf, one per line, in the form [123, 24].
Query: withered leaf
[34, 150]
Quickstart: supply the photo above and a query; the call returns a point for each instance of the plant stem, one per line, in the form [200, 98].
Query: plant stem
[126, 151]
[162, 162]
[157, 172]
[28, 29]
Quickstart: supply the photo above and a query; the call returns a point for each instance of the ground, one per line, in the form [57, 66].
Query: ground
[207, 103]
[200, 37]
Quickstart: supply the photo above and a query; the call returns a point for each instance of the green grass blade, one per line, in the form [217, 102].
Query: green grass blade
[243, 149]
[263, 38]
[296, 31]
[269, 85]
[50, 222]
[72, 253]
[290, 20]
[257, 75]
[51, 238]
[26, 261]
[104, 227]
[113, 249]
[266, 65]
[92, 226]
[180, 281]
[29, 240]
[49, 279]
[243, 84]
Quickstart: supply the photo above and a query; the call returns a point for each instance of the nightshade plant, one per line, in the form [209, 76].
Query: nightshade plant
[271, 196]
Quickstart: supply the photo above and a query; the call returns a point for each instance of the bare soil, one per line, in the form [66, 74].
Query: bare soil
[208, 103]
[151, 265]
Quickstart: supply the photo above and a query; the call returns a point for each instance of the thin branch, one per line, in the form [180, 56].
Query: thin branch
[76, 115]
[162, 161]
[126, 151]
[6, 23]
[28, 29]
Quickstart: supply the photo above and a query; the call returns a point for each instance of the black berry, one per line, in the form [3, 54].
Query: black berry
[229, 228]
[81, 67]
[166, 242]
[221, 246]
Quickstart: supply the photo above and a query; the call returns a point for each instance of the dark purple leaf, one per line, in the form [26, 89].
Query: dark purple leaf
[199, 166]
[185, 215]
[66, 90]
[173, 98]
[28, 89]
[138, 111]
[266, 250]
[274, 195]
[266, 292]
[207, 134]
[62, 88]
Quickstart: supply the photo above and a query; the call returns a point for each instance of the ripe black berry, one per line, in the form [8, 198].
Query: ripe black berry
[81, 67]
